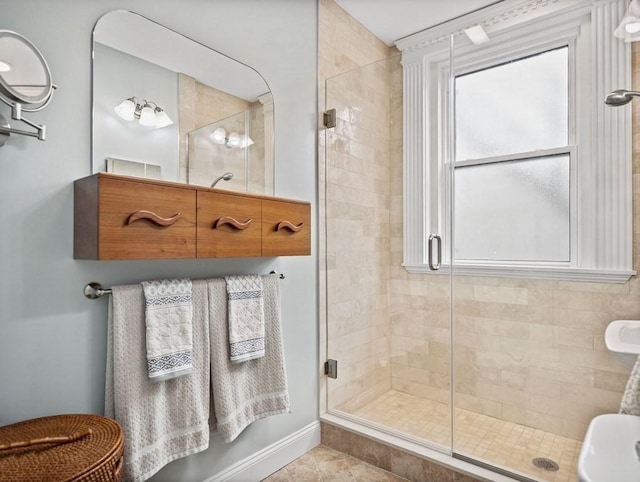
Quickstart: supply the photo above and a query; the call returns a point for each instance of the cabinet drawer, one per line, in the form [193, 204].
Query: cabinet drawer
[286, 228]
[145, 221]
[228, 225]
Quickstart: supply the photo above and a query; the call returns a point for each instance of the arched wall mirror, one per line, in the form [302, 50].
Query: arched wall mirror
[167, 107]
[25, 83]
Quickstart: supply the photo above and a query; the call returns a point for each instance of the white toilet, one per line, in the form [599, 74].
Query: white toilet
[611, 449]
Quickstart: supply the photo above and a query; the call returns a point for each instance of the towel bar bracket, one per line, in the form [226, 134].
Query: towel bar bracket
[95, 290]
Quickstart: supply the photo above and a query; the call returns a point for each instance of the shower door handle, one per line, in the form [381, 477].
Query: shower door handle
[432, 238]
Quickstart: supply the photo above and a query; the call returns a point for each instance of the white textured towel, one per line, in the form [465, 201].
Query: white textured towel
[168, 318]
[246, 317]
[161, 421]
[245, 392]
[630, 403]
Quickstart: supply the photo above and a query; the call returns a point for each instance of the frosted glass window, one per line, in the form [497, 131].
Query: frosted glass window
[513, 210]
[514, 107]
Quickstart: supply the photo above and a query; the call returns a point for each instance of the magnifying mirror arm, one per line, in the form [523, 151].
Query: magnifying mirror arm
[16, 113]
[40, 134]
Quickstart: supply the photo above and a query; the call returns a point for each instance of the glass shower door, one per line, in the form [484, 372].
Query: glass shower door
[388, 330]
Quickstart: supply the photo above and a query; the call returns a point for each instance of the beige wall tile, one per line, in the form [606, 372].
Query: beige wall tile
[500, 294]
[611, 381]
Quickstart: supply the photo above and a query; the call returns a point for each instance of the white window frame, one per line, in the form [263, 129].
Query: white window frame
[599, 139]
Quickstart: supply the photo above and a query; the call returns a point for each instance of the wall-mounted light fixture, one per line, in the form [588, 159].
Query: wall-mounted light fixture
[231, 140]
[147, 113]
[629, 27]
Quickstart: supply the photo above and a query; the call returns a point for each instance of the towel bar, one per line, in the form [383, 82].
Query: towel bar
[95, 290]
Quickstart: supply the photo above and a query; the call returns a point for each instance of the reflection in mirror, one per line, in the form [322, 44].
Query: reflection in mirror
[236, 145]
[139, 63]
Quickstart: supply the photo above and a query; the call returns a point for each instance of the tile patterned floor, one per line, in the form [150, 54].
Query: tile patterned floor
[484, 438]
[323, 464]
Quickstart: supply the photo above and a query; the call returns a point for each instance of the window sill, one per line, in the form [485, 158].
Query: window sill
[537, 272]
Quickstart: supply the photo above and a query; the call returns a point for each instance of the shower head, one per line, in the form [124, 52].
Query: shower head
[227, 176]
[620, 97]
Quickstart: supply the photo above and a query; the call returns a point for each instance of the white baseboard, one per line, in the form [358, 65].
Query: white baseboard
[272, 458]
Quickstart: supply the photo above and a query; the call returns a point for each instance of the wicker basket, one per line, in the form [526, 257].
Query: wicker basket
[62, 448]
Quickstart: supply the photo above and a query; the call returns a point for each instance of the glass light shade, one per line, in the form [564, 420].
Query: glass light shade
[126, 109]
[633, 27]
[245, 141]
[162, 119]
[629, 27]
[4, 66]
[234, 140]
[147, 116]
[219, 135]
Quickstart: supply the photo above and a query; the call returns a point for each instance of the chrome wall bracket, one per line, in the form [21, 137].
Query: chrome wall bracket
[331, 368]
[329, 118]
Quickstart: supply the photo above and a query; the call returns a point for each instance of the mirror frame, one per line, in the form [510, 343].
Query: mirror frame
[9, 95]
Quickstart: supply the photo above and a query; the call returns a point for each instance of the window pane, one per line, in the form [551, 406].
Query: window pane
[520, 106]
[513, 211]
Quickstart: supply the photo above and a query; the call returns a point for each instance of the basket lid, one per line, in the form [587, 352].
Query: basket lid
[59, 447]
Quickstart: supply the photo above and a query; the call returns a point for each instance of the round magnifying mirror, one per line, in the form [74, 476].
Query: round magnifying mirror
[24, 74]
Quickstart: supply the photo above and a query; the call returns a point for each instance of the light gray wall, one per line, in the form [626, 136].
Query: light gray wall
[118, 76]
[52, 340]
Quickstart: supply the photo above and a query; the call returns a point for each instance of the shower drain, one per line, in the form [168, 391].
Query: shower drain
[545, 464]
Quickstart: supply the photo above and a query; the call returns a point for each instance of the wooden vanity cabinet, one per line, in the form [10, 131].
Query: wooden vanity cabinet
[120, 217]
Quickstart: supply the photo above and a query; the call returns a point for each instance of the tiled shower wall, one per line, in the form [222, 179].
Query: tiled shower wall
[527, 351]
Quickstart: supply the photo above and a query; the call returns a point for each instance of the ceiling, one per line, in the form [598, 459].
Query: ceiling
[393, 20]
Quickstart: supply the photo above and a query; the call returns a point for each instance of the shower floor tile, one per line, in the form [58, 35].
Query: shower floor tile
[497, 442]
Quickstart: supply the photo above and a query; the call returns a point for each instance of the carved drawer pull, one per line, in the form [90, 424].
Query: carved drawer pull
[290, 226]
[232, 222]
[153, 217]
